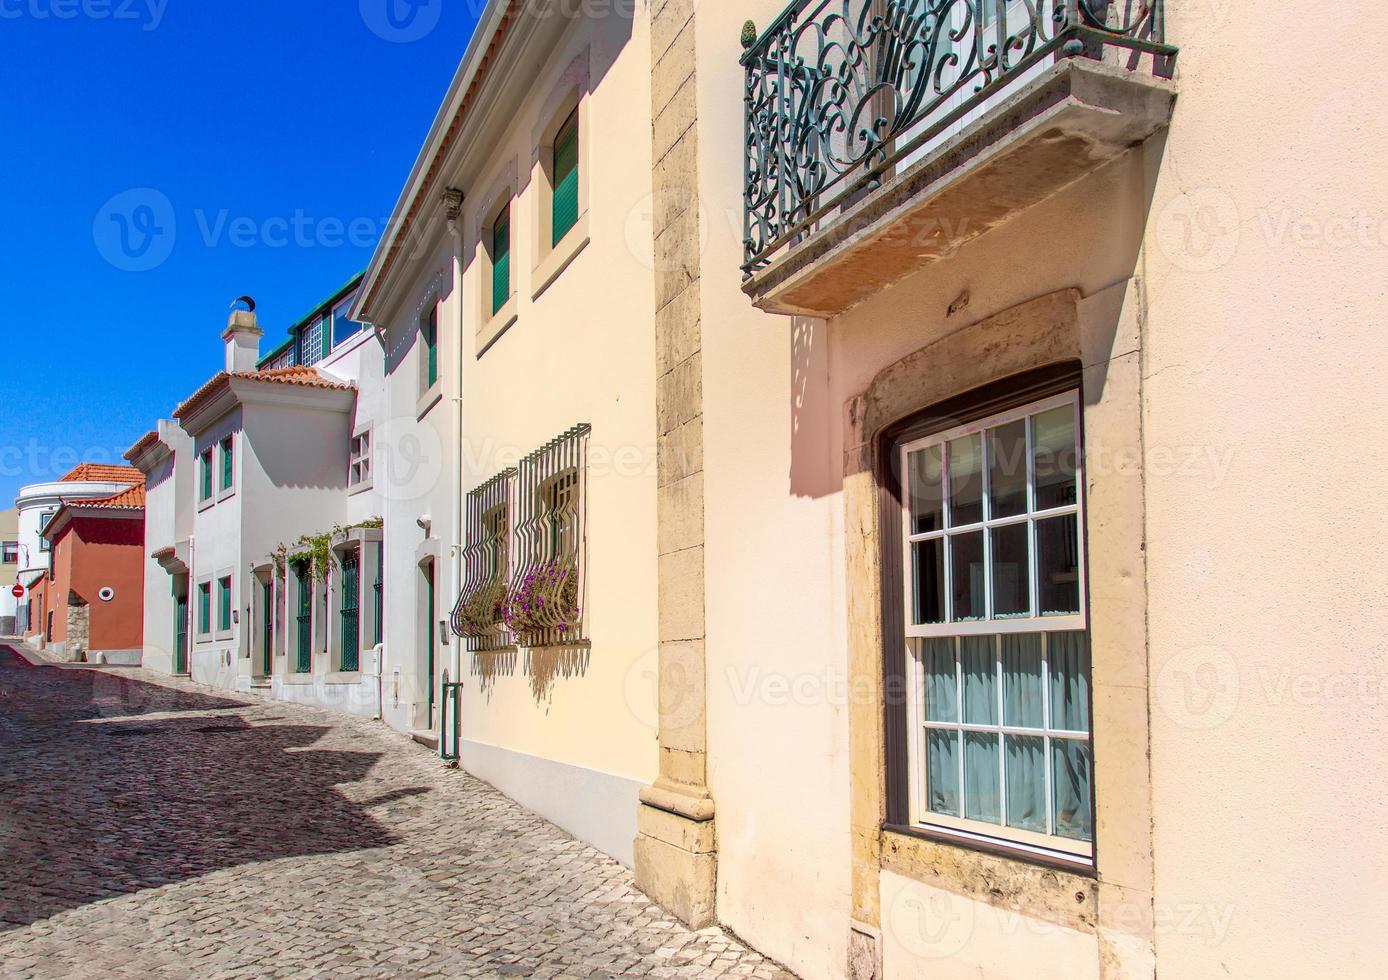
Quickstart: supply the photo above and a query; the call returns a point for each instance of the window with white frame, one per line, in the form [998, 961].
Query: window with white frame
[44, 519]
[998, 661]
[359, 467]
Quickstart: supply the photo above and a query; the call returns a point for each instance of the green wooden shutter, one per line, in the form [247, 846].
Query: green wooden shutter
[432, 340]
[224, 619]
[501, 260]
[204, 609]
[327, 327]
[566, 178]
[226, 464]
[207, 474]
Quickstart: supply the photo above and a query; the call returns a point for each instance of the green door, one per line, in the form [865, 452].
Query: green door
[268, 631]
[304, 650]
[429, 638]
[351, 614]
[180, 647]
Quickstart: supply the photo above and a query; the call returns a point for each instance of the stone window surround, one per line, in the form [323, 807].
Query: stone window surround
[1043, 332]
[367, 460]
[227, 575]
[355, 540]
[429, 395]
[569, 93]
[228, 440]
[499, 195]
[199, 634]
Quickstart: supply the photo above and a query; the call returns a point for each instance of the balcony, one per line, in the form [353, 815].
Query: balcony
[883, 135]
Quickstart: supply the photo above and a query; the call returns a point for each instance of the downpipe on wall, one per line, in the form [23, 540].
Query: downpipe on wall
[454, 204]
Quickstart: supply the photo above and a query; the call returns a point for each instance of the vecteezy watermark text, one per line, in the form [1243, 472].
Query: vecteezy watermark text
[149, 14]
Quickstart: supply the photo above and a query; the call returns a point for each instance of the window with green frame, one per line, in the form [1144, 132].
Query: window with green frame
[204, 608]
[205, 481]
[565, 204]
[224, 604]
[501, 259]
[228, 464]
[430, 334]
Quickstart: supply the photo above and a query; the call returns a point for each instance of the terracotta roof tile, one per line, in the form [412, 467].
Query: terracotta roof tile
[305, 377]
[145, 442]
[102, 473]
[132, 499]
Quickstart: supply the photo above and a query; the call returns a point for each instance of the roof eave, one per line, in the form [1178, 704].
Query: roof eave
[474, 59]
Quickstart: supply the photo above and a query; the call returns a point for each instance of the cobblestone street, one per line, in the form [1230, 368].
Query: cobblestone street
[151, 827]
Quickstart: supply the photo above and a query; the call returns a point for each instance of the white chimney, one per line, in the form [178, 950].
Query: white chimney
[242, 337]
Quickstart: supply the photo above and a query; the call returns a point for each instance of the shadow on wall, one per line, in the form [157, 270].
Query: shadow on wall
[99, 802]
[488, 665]
[545, 664]
[1091, 235]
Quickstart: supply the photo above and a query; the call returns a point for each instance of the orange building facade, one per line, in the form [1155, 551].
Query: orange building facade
[90, 604]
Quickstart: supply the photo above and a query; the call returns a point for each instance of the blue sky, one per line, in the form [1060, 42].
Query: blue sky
[161, 158]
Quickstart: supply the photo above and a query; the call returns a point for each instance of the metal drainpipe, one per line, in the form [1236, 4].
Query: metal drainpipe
[456, 232]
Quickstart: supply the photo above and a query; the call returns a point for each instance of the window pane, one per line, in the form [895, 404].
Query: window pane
[1026, 783]
[1054, 447]
[981, 777]
[1011, 570]
[966, 480]
[979, 667]
[926, 479]
[937, 663]
[966, 557]
[1007, 470]
[1058, 565]
[1070, 773]
[1021, 681]
[942, 772]
[1068, 654]
[928, 578]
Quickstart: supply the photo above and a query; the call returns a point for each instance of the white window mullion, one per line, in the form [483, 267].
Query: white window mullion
[1002, 739]
[1046, 724]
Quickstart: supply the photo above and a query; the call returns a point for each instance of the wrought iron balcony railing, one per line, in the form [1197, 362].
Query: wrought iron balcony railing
[840, 93]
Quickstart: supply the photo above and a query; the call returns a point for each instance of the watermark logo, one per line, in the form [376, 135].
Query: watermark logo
[1199, 688]
[931, 924]
[136, 230]
[409, 460]
[1199, 230]
[149, 14]
[401, 21]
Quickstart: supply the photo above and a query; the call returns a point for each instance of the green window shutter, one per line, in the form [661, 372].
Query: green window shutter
[204, 609]
[501, 260]
[226, 464]
[327, 328]
[207, 474]
[431, 340]
[224, 621]
[565, 214]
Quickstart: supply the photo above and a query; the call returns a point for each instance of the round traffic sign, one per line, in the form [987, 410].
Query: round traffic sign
[17, 592]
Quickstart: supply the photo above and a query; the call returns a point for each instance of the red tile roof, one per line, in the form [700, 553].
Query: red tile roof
[102, 473]
[304, 377]
[132, 499]
[145, 442]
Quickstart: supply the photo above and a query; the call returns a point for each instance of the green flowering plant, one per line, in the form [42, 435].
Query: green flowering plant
[546, 599]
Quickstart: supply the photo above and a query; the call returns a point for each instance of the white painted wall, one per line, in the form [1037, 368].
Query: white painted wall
[168, 521]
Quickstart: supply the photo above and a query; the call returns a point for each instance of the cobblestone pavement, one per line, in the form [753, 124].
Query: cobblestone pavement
[149, 827]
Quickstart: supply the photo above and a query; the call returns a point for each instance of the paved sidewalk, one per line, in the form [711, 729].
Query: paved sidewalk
[150, 827]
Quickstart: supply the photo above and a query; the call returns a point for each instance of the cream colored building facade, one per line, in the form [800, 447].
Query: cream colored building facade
[932, 616]
[553, 362]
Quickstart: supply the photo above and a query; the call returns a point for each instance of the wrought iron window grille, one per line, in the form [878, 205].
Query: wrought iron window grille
[839, 92]
[479, 615]
[548, 577]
